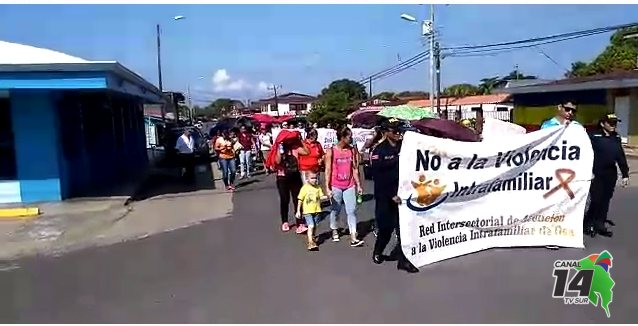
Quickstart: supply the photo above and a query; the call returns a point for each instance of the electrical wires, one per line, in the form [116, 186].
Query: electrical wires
[391, 71]
[491, 49]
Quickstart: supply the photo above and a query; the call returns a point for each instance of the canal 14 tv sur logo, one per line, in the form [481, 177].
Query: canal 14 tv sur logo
[585, 281]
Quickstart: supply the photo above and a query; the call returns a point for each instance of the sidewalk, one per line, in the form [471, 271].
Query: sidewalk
[164, 204]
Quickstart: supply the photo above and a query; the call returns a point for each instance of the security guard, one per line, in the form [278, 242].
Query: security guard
[385, 173]
[608, 153]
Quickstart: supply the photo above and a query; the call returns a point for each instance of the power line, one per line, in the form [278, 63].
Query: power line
[545, 38]
[486, 51]
[390, 70]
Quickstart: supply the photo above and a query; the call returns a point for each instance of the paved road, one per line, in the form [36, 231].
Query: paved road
[243, 269]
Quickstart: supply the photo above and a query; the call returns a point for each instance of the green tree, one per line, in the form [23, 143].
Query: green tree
[388, 96]
[413, 94]
[336, 101]
[620, 55]
[517, 75]
[487, 85]
[184, 112]
[461, 90]
[354, 90]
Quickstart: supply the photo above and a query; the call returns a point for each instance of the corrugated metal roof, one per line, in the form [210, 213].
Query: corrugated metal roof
[467, 100]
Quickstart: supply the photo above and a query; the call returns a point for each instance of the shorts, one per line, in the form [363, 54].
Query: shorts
[312, 219]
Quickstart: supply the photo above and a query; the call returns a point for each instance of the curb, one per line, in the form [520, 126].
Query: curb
[19, 213]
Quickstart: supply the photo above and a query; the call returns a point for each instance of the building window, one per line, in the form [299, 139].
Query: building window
[502, 109]
[8, 168]
[298, 107]
[273, 107]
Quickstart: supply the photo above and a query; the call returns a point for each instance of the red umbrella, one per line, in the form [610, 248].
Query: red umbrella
[284, 118]
[445, 129]
[263, 118]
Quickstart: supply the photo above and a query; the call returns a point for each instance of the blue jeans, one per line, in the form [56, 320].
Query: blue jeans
[228, 170]
[349, 198]
[245, 158]
[312, 219]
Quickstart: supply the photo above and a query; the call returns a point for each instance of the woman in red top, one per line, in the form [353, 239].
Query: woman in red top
[313, 161]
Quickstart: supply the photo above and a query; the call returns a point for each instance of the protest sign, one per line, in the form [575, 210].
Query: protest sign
[494, 129]
[328, 137]
[461, 197]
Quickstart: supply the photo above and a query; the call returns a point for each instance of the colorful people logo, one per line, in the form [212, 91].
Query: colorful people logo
[428, 191]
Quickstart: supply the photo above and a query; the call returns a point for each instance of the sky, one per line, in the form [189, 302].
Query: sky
[237, 51]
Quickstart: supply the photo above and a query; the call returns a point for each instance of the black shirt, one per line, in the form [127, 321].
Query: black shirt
[608, 152]
[384, 160]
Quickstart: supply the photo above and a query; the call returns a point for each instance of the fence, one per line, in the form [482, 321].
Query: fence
[500, 115]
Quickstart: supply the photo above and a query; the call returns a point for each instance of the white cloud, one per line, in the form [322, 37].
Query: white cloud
[223, 82]
[220, 77]
[262, 86]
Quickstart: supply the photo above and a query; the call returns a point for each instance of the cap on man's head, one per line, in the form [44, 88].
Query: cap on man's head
[390, 124]
[610, 118]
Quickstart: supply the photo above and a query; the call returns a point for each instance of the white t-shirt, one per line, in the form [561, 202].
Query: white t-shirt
[185, 145]
[266, 141]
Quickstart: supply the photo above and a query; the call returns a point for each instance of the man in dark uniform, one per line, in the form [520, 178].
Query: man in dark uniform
[385, 173]
[608, 153]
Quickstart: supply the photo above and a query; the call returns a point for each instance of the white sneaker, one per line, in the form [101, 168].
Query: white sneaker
[335, 235]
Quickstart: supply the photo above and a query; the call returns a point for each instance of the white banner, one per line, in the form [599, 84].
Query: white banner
[463, 197]
[494, 129]
[328, 137]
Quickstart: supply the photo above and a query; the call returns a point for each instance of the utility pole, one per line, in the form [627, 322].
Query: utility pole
[431, 33]
[190, 102]
[274, 89]
[516, 72]
[159, 71]
[370, 87]
[437, 63]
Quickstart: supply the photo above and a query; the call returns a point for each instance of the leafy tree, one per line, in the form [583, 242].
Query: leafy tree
[336, 101]
[413, 94]
[517, 75]
[388, 96]
[461, 90]
[184, 112]
[620, 55]
[487, 85]
[354, 90]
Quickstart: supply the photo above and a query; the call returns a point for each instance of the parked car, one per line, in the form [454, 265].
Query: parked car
[202, 148]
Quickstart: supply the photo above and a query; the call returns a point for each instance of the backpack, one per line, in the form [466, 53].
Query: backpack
[290, 163]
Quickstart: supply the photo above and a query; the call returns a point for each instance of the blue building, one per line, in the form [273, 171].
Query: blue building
[68, 129]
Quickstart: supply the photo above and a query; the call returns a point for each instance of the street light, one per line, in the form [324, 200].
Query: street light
[427, 29]
[159, 63]
[408, 17]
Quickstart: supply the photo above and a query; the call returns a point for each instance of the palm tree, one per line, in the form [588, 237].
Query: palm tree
[487, 85]
[461, 90]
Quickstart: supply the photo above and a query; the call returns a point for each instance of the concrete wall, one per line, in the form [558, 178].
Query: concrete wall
[632, 137]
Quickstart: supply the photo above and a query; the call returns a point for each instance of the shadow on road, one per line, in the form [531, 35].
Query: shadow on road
[165, 181]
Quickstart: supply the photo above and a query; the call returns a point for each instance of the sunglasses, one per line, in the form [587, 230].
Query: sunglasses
[570, 110]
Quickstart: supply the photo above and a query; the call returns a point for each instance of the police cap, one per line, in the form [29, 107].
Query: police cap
[610, 118]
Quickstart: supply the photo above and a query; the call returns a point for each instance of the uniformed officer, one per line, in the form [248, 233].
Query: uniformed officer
[385, 173]
[608, 153]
